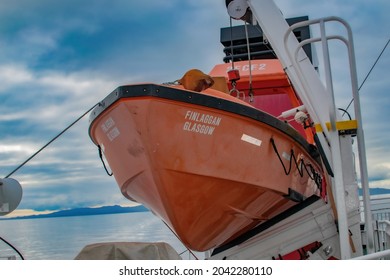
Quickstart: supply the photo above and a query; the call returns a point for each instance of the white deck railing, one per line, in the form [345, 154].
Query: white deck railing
[382, 235]
[381, 241]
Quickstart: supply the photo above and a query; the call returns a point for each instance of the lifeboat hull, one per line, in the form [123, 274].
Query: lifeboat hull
[210, 165]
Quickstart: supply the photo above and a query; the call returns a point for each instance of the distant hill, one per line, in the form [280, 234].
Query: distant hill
[115, 209]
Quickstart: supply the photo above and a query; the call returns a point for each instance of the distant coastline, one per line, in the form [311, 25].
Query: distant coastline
[117, 209]
[87, 211]
[376, 191]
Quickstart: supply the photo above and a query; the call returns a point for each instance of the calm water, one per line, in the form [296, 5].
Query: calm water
[63, 238]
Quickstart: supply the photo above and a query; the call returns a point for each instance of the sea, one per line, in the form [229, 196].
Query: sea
[64, 237]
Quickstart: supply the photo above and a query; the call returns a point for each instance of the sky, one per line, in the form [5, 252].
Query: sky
[59, 58]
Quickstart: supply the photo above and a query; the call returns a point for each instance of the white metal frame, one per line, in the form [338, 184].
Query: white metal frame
[355, 94]
[319, 102]
[374, 256]
[309, 225]
[382, 235]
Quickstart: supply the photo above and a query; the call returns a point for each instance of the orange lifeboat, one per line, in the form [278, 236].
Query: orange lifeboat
[210, 165]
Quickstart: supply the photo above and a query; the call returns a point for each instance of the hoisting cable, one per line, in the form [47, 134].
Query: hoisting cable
[265, 41]
[369, 72]
[233, 78]
[250, 64]
[233, 74]
[51, 141]
[231, 42]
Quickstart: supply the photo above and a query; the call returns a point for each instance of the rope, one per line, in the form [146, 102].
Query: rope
[250, 63]
[104, 164]
[9, 244]
[51, 141]
[174, 233]
[313, 175]
[369, 72]
[287, 172]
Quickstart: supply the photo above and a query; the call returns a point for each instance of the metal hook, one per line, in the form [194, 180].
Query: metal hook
[238, 93]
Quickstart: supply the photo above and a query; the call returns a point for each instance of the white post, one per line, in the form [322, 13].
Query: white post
[338, 180]
[361, 145]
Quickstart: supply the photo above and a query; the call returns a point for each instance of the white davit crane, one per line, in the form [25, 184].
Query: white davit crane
[332, 133]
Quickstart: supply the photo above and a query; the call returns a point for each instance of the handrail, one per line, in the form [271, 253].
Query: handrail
[360, 135]
[383, 232]
[374, 256]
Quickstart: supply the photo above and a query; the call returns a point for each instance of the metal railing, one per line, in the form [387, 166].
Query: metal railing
[382, 235]
[8, 257]
[375, 256]
[381, 241]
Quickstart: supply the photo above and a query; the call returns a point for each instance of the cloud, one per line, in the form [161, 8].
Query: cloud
[58, 59]
[13, 75]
